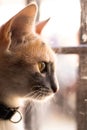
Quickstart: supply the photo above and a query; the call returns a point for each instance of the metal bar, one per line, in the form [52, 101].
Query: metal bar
[81, 49]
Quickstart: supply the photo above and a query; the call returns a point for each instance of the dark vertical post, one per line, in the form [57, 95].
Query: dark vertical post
[82, 86]
[28, 1]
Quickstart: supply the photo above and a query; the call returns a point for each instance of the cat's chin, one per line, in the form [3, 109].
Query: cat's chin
[46, 98]
[41, 99]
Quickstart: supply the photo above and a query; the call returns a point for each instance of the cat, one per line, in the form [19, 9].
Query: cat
[27, 66]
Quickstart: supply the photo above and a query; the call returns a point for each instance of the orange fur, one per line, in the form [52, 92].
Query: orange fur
[21, 49]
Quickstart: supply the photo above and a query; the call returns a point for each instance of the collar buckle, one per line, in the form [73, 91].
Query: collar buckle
[7, 113]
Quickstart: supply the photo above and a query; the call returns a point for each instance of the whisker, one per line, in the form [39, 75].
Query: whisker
[38, 92]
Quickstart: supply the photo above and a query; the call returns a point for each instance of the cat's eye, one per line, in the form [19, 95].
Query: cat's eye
[42, 66]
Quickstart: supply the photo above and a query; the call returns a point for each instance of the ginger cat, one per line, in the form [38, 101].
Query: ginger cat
[27, 64]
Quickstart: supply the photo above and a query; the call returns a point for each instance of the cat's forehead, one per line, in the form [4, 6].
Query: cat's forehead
[38, 50]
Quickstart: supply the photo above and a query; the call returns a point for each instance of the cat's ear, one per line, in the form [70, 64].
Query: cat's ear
[24, 21]
[41, 25]
[21, 24]
[5, 36]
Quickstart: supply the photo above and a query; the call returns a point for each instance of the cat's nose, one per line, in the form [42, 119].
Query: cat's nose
[55, 87]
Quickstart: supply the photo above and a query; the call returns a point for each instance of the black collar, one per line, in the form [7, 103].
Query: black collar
[6, 113]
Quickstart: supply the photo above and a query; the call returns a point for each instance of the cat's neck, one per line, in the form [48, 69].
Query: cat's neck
[7, 124]
[10, 101]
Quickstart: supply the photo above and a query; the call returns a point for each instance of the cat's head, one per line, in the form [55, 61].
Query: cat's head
[27, 64]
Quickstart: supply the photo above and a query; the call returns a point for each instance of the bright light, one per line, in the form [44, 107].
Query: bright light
[8, 8]
[65, 18]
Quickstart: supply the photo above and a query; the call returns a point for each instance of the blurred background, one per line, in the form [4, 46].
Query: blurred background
[61, 31]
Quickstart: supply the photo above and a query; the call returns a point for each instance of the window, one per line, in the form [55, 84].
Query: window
[62, 31]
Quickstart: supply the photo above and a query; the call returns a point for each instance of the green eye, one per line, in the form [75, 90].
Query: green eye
[41, 66]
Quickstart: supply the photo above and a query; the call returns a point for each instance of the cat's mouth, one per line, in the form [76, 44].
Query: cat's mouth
[39, 93]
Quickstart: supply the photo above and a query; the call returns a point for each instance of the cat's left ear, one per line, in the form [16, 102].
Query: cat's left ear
[39, 29]
[41, 25]
[22, 24]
